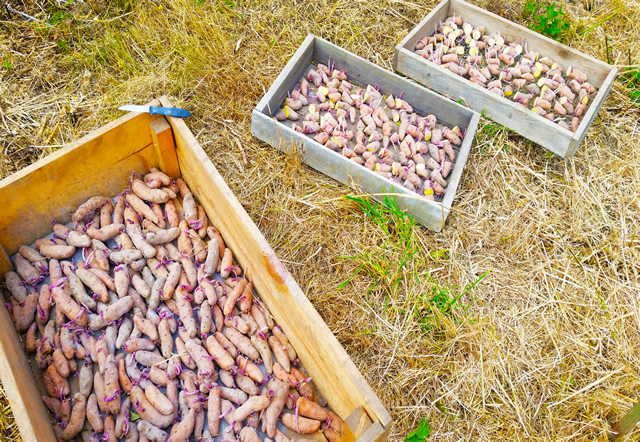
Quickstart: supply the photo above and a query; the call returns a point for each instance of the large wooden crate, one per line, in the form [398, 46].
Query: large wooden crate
[424, 102]
[502, 110]
[99, 164]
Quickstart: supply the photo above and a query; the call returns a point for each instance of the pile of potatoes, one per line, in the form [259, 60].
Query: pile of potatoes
[381, 133]
[155, 334]
[509, 70]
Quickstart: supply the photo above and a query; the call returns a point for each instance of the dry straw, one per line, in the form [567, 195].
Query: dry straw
[547, 346]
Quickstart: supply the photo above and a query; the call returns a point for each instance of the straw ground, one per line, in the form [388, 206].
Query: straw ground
[543, 347]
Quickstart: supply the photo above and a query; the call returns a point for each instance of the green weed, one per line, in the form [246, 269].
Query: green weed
[419, 435]
[551, 22]
[631, 78]
[400, 261]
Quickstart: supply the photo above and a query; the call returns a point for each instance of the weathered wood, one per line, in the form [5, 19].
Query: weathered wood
[437, 14]
[360, 71]
[334, 373]
[97, 164]
[270, 103]
[592, 112]
[5, 263]
[358, 422]
[374, 433]
[20, 385]
[502, 110]
[164, 146]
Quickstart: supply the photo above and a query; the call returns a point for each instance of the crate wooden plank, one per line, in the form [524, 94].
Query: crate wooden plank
[287, 78]
[97, 164]
[592, 112]
[360, 71]
[502, 110]
[336, 376]
[165, 148]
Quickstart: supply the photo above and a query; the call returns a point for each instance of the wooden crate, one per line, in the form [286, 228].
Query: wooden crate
[99, 164]
[360, 71]
[502, 110]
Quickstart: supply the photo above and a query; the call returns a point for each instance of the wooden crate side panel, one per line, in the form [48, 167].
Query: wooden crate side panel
[337, 378]
[53, 187]
[561, 54]
[20, 385]
[364, 72]
[499, 109]
[270, 103]
[592, 112]
[338, 167]
[461, 161]
[427, 26]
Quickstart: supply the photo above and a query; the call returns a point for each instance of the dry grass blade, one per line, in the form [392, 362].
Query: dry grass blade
[558, 309]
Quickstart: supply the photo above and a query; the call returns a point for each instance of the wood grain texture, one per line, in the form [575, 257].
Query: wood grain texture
[374, 433]
[5, 263]
[97, 164]
[592, 112]
[336, 377]
[360, 71]
[504, 111]
[20, 385]
[427, 26]
[165, 147]
[270, 103]
[358, 422]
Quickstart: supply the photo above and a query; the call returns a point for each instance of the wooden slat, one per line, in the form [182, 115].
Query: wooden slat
[336, 377]
[592, 112]
[373, 434]
[559, 53]
[270, 103]
[20, 385]
[499, 109]
[165, 147]
[463, 155]
[5, 263]
[358, 422]
[97, 164]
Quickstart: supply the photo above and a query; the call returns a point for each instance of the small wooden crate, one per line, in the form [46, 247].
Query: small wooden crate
[502, 110]
[360, 71]
[99, 164]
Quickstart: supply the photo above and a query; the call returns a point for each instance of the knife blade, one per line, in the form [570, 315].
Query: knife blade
[153, 110]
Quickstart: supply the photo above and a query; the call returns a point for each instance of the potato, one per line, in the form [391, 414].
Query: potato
[78, 414]
[147, 411]
[280, 393]
[181, 431]
[300, 425]
[93, 414]
[200, 356]
[254, 403]
[151, 432]
[159, 400]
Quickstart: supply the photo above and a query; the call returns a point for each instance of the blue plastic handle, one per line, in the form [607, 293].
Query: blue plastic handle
[170, 111]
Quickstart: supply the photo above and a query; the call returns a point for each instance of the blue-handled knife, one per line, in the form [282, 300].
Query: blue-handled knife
[170, 111]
